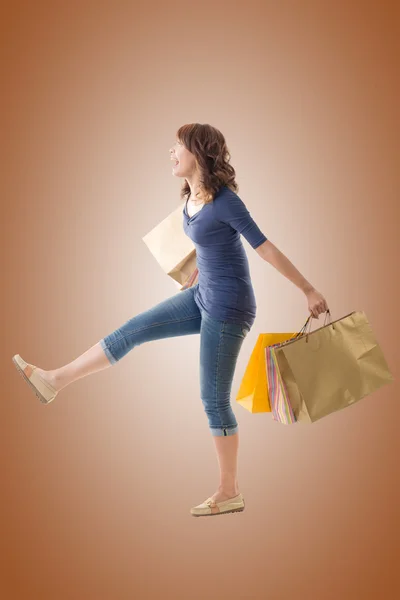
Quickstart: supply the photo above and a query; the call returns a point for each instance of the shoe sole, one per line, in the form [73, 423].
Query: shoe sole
[224, 512]
[34, 388]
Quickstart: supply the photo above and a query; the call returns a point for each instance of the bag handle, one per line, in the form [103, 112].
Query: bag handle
[303, 330]
[309, 320]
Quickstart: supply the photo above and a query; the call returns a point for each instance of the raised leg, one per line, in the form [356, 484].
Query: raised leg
[175, 316]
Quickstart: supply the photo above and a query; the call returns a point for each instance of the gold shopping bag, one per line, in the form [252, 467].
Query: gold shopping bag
[333, 367]
[173, 249]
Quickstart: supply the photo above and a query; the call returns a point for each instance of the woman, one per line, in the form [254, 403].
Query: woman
[221, 307]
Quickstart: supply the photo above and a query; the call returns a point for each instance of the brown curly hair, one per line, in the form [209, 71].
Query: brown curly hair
[212, 156]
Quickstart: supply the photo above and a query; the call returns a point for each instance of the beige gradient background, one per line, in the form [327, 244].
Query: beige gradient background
[96, 487]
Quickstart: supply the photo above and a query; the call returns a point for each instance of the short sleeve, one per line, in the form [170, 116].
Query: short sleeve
[232, 211]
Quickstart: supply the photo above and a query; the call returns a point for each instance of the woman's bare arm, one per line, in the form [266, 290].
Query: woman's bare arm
[269, 252]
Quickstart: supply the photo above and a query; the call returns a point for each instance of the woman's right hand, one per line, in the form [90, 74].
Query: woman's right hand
[316, 303]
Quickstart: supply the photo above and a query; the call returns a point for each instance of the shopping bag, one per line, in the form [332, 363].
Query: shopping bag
[331, 368]
[281, 408]
[279, 399]
[253, 391]
[174, 250]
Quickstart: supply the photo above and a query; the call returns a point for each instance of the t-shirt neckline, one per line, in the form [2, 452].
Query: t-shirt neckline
[199, 211]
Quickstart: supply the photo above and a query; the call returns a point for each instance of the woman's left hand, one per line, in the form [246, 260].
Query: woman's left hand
[316, 303]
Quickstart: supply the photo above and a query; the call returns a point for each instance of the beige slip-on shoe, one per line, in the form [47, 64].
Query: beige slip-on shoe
[44, 391]
[210, 508]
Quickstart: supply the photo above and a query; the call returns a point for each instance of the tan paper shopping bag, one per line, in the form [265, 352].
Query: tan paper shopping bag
[173, 249]
[332, 367]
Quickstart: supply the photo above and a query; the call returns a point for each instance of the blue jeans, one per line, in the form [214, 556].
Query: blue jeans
[220, 343]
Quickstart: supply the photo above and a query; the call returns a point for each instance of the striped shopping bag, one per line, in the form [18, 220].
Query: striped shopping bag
[281, 408]
[280, 405]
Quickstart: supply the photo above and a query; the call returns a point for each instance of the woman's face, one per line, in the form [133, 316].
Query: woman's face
[186, 165]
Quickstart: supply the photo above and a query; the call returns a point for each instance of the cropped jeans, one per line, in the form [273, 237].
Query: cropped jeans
[220, 343]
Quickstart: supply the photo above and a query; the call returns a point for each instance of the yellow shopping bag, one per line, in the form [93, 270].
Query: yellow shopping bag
[253, 391]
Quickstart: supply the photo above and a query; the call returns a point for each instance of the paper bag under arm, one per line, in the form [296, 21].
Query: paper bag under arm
[173, 249]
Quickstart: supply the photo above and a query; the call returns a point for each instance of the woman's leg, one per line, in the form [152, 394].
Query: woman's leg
[175, 316]
[220, 344]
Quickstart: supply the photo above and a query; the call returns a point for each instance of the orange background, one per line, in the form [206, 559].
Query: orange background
[97, 486]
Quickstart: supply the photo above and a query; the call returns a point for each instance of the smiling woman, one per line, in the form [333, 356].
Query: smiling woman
[221, 307]
[203, 158]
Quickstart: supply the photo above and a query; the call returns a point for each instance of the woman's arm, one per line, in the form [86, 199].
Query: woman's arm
[269, 252]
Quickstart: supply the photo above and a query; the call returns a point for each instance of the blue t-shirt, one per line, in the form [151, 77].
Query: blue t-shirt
[224, 289]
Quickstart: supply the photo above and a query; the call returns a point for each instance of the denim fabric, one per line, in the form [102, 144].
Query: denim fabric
[220, 343]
